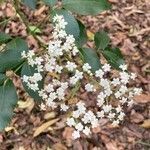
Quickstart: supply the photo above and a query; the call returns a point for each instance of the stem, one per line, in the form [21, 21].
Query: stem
[26, 23]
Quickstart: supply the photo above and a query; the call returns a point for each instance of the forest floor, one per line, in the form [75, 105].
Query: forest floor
[128, 24]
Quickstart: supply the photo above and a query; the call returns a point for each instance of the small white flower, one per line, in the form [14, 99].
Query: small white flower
[99, 73]
[87, 131]
[115, 123]
[106, 67]
[87, 68]
[121, 116]
[64, 107]
[123, 67]
[70, 122]
[49, 88]
[107, 108]
[71, 66]
[123, 89]
[133, 76]
[76, 114]
[111, 116]
[100, 114]
[58, 68]
[79, 126]
[124, 76]
[76, 135]
[89, 87]
[115, 81]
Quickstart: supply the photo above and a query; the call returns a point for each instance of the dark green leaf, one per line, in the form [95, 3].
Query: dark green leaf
[72, 26]
[29, 71]
[8, 100]
[50, 2]
[91, 57]
[2, 78]
[83, 36]
[11, 57]
[86, 7]
[114, 57]
[4, 37]
[30, 3]
[101, 40]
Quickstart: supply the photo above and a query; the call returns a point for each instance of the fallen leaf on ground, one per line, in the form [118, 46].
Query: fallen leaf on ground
[143, 98]
[59, 146]
[136, 117]
[49, 115]
[146, 124]
[28, 104]
[44, 126]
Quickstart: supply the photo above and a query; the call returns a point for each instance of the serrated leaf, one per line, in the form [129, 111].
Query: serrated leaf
[29, 71]
[4, 37]
[81, 40]
[91, 57]
[86, 7]
[30, 3]
[50, 2]
[113, 56]
[8, 100]
[2, 78]
[72, 27]
[101, 40]
[11, 56]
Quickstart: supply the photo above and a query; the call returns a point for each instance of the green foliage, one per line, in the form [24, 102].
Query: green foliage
[29, 71]
[91, 57]
[30, 3]
[113, 56]
[50, 2]
[101, 40]
[82, 39]
[86, 7]
[11, 56]
[4, 37]
[72, 26]
[34, 29]
[2, 78]
[8, 100]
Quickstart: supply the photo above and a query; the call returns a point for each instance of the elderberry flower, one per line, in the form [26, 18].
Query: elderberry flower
[89, 87]
[76, 134]
[87, 68]
[99, 73]
[71, 66]
[63, 72]
[64, 107]
[71, 122]
[106, 67]
[87, 131]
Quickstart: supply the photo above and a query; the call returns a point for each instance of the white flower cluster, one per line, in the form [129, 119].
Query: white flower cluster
[59, 63]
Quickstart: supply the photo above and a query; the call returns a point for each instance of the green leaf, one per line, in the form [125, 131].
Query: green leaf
[4, 37]
[11, 57]
[8, 100]
[91, 57]
[29, 71]
[72, 27]
[50, 2]
[81, 40]
[113, 56]
[101, 40]
[30, 3]
[34, 29]
[2, 78]
[86, 7]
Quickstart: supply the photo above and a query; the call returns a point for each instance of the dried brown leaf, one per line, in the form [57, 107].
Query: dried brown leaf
[44, 126]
